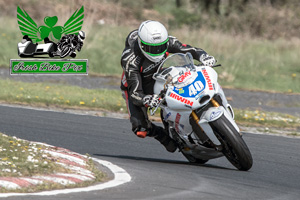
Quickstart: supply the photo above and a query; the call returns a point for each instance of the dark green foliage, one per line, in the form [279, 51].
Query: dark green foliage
[183, 17]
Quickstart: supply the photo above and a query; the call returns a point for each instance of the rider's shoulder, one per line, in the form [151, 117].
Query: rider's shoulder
[172, 40]
[131, 38]
[132, 52]
[132, 55]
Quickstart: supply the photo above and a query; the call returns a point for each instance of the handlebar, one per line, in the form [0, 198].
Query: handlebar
[152, 112]
[219, 65]
[213, 66]
[160, 95]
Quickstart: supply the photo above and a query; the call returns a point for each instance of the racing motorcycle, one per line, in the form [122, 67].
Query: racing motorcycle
[196, 113]
[66, 48]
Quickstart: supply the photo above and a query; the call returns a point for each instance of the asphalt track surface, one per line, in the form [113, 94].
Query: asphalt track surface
[157, 174]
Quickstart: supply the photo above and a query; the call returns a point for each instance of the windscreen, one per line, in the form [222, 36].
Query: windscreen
[175, 66]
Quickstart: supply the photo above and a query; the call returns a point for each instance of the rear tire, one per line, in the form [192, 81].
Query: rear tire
[234, 147]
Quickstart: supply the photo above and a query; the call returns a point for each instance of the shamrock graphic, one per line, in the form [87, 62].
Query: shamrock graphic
[57, 31]
[28, 26]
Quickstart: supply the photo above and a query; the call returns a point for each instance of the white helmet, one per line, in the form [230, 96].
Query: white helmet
[81, 35]
[153, 40]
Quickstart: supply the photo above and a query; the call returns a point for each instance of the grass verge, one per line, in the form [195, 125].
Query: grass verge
[267, 118]
[268, 122]
[46, 94]
[21, 158]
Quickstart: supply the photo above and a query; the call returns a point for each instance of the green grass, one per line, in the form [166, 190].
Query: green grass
[22, 158]
[103, 48]
[46, 94]
[9, 38]
[251, 63]
[266, 119]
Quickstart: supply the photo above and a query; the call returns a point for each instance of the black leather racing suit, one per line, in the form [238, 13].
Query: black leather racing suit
[137, 79]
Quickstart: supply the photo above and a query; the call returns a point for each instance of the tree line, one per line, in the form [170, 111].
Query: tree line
[210, 6]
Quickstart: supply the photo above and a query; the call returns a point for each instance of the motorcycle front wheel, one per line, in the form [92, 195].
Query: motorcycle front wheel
[65, 52]
[234, 147]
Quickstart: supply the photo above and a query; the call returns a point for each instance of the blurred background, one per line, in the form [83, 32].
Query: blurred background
[256, 41]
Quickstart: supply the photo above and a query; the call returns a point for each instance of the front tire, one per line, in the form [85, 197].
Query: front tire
[234, 147]
[65, 52]
[73, 55]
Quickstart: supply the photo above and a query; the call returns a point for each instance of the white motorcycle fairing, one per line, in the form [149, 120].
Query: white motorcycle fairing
[195, 111]
[193, 87]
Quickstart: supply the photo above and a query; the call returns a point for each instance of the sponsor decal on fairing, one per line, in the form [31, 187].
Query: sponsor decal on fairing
[184, 76]
[181, 99]
[177, 119]
[214, 114]
[208, 80]
[190, 91]
[167, 116]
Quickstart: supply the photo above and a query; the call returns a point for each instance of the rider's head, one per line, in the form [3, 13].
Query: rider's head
[153, 40]
[81, 36]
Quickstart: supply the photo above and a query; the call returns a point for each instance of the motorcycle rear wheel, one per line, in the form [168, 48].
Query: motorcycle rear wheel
[234, 147]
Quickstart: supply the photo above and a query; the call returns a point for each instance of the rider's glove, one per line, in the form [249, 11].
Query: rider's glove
[207, 60]
[151, 101]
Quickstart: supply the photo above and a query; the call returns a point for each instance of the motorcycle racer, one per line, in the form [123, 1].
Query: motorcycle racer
[145, 49]
[76, 40]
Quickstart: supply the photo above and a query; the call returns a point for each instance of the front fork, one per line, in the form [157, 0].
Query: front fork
[205, 127]
[196, 118]
[216, 105]
[214, 102]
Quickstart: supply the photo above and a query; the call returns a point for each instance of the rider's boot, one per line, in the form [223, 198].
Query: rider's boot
[142, 133]
[163, 137]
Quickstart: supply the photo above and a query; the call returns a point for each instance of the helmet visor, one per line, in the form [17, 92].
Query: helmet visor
[155, 49]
